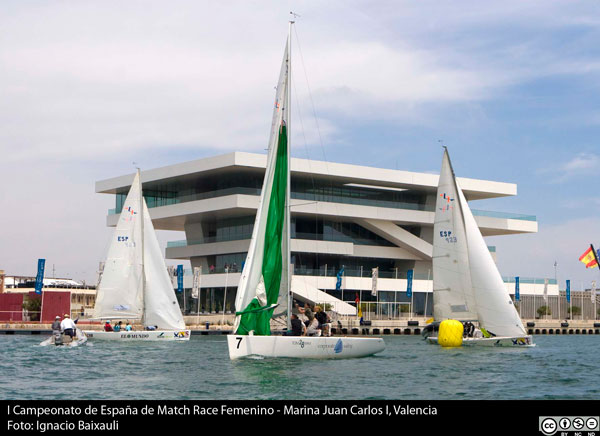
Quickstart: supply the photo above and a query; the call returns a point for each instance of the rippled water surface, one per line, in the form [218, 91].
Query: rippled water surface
[559, 367]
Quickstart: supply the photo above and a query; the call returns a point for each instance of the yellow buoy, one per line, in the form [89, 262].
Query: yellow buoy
[450, 333]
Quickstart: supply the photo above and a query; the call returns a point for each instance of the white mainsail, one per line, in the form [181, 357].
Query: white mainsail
[135, 282]
[453, 292]
[465, 274]
[120, 291]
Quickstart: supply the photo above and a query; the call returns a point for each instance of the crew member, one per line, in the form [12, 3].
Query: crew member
[68, 326]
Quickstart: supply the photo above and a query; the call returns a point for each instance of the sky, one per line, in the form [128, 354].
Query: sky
[88, 88]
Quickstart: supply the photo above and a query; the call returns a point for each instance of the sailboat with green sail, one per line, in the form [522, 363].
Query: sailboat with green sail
[264, 290]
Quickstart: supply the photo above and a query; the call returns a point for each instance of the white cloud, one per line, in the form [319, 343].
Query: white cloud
[92, 80]
[581, 165]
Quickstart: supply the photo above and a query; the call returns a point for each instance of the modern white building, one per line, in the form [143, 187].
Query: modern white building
[349, 216]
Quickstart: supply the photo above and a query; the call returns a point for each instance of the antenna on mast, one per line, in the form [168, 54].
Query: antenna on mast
[294, 15]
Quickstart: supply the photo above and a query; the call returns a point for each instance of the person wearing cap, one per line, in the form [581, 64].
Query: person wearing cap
[56, 324]
[108, 327]
[68, 326]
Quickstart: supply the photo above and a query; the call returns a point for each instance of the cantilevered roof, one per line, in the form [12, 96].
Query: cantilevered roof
[473, 189]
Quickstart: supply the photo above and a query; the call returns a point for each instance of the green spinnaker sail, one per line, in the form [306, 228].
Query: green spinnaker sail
[255, 317]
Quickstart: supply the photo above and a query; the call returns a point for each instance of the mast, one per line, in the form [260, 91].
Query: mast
[288, 107]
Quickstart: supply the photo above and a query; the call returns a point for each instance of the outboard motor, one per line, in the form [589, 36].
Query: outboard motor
[58, 340]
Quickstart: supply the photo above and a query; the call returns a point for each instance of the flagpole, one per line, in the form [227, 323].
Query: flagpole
[426, 294]
[593, 290]
[199, 294]
[360, 290]
[225, 294]
[582, 301]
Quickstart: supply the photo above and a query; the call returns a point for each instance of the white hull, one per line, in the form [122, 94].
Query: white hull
[80, 339]
[140, 335]
[497, 341]
[309, 347]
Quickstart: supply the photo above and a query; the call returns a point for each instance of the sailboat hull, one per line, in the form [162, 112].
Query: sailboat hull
[307, 347]
[497, 341]
[140, 335]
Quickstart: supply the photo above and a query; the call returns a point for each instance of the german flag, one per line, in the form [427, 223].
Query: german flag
[589, 258]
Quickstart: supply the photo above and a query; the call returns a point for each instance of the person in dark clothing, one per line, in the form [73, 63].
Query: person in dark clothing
[56, 324]
[469, 329]
[298, 327]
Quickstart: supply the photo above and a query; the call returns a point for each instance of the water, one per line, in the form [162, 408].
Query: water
[560, 367]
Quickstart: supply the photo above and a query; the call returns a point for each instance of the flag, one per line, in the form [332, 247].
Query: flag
[517, 290]
[568, 292]
[409, 281]
[179, 278]
[338, 284]
[196, 282]
[39, 279]
[374, 276]
[589, 258]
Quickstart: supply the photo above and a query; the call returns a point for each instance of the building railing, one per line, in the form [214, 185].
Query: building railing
[329, 271]
[506, 215]
[331, 198]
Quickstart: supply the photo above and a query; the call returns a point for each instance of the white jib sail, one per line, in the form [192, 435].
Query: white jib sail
[161, 308]
[452, 289]
[120, 291]
[250, 284]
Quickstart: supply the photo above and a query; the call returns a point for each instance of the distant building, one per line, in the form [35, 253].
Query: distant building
[349, 216]
[70, 296]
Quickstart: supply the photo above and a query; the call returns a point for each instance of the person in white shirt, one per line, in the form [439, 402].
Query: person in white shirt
[68, 326]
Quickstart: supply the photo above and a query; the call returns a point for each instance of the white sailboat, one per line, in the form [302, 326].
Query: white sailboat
[264, 288]
[135, 284]
[467, 285]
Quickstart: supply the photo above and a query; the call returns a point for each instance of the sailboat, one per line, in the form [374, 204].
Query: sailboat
[135, 284]
[264, 290]
[467, 285]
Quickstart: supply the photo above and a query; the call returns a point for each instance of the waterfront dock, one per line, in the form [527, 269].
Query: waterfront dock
[214, 325]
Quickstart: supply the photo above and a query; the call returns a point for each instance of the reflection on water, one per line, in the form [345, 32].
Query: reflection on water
[559, 367]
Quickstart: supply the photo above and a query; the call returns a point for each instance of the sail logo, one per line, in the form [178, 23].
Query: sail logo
[120, 307]
[448, 236]
[448, 200]
[128, 214]
[521, 341]
[339, 347]
[181, 334]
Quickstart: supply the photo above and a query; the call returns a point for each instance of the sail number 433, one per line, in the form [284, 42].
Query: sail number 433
[448, 236]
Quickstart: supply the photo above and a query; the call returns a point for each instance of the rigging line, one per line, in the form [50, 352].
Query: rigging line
[312, 179]
[325, 161]
[303, 132]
